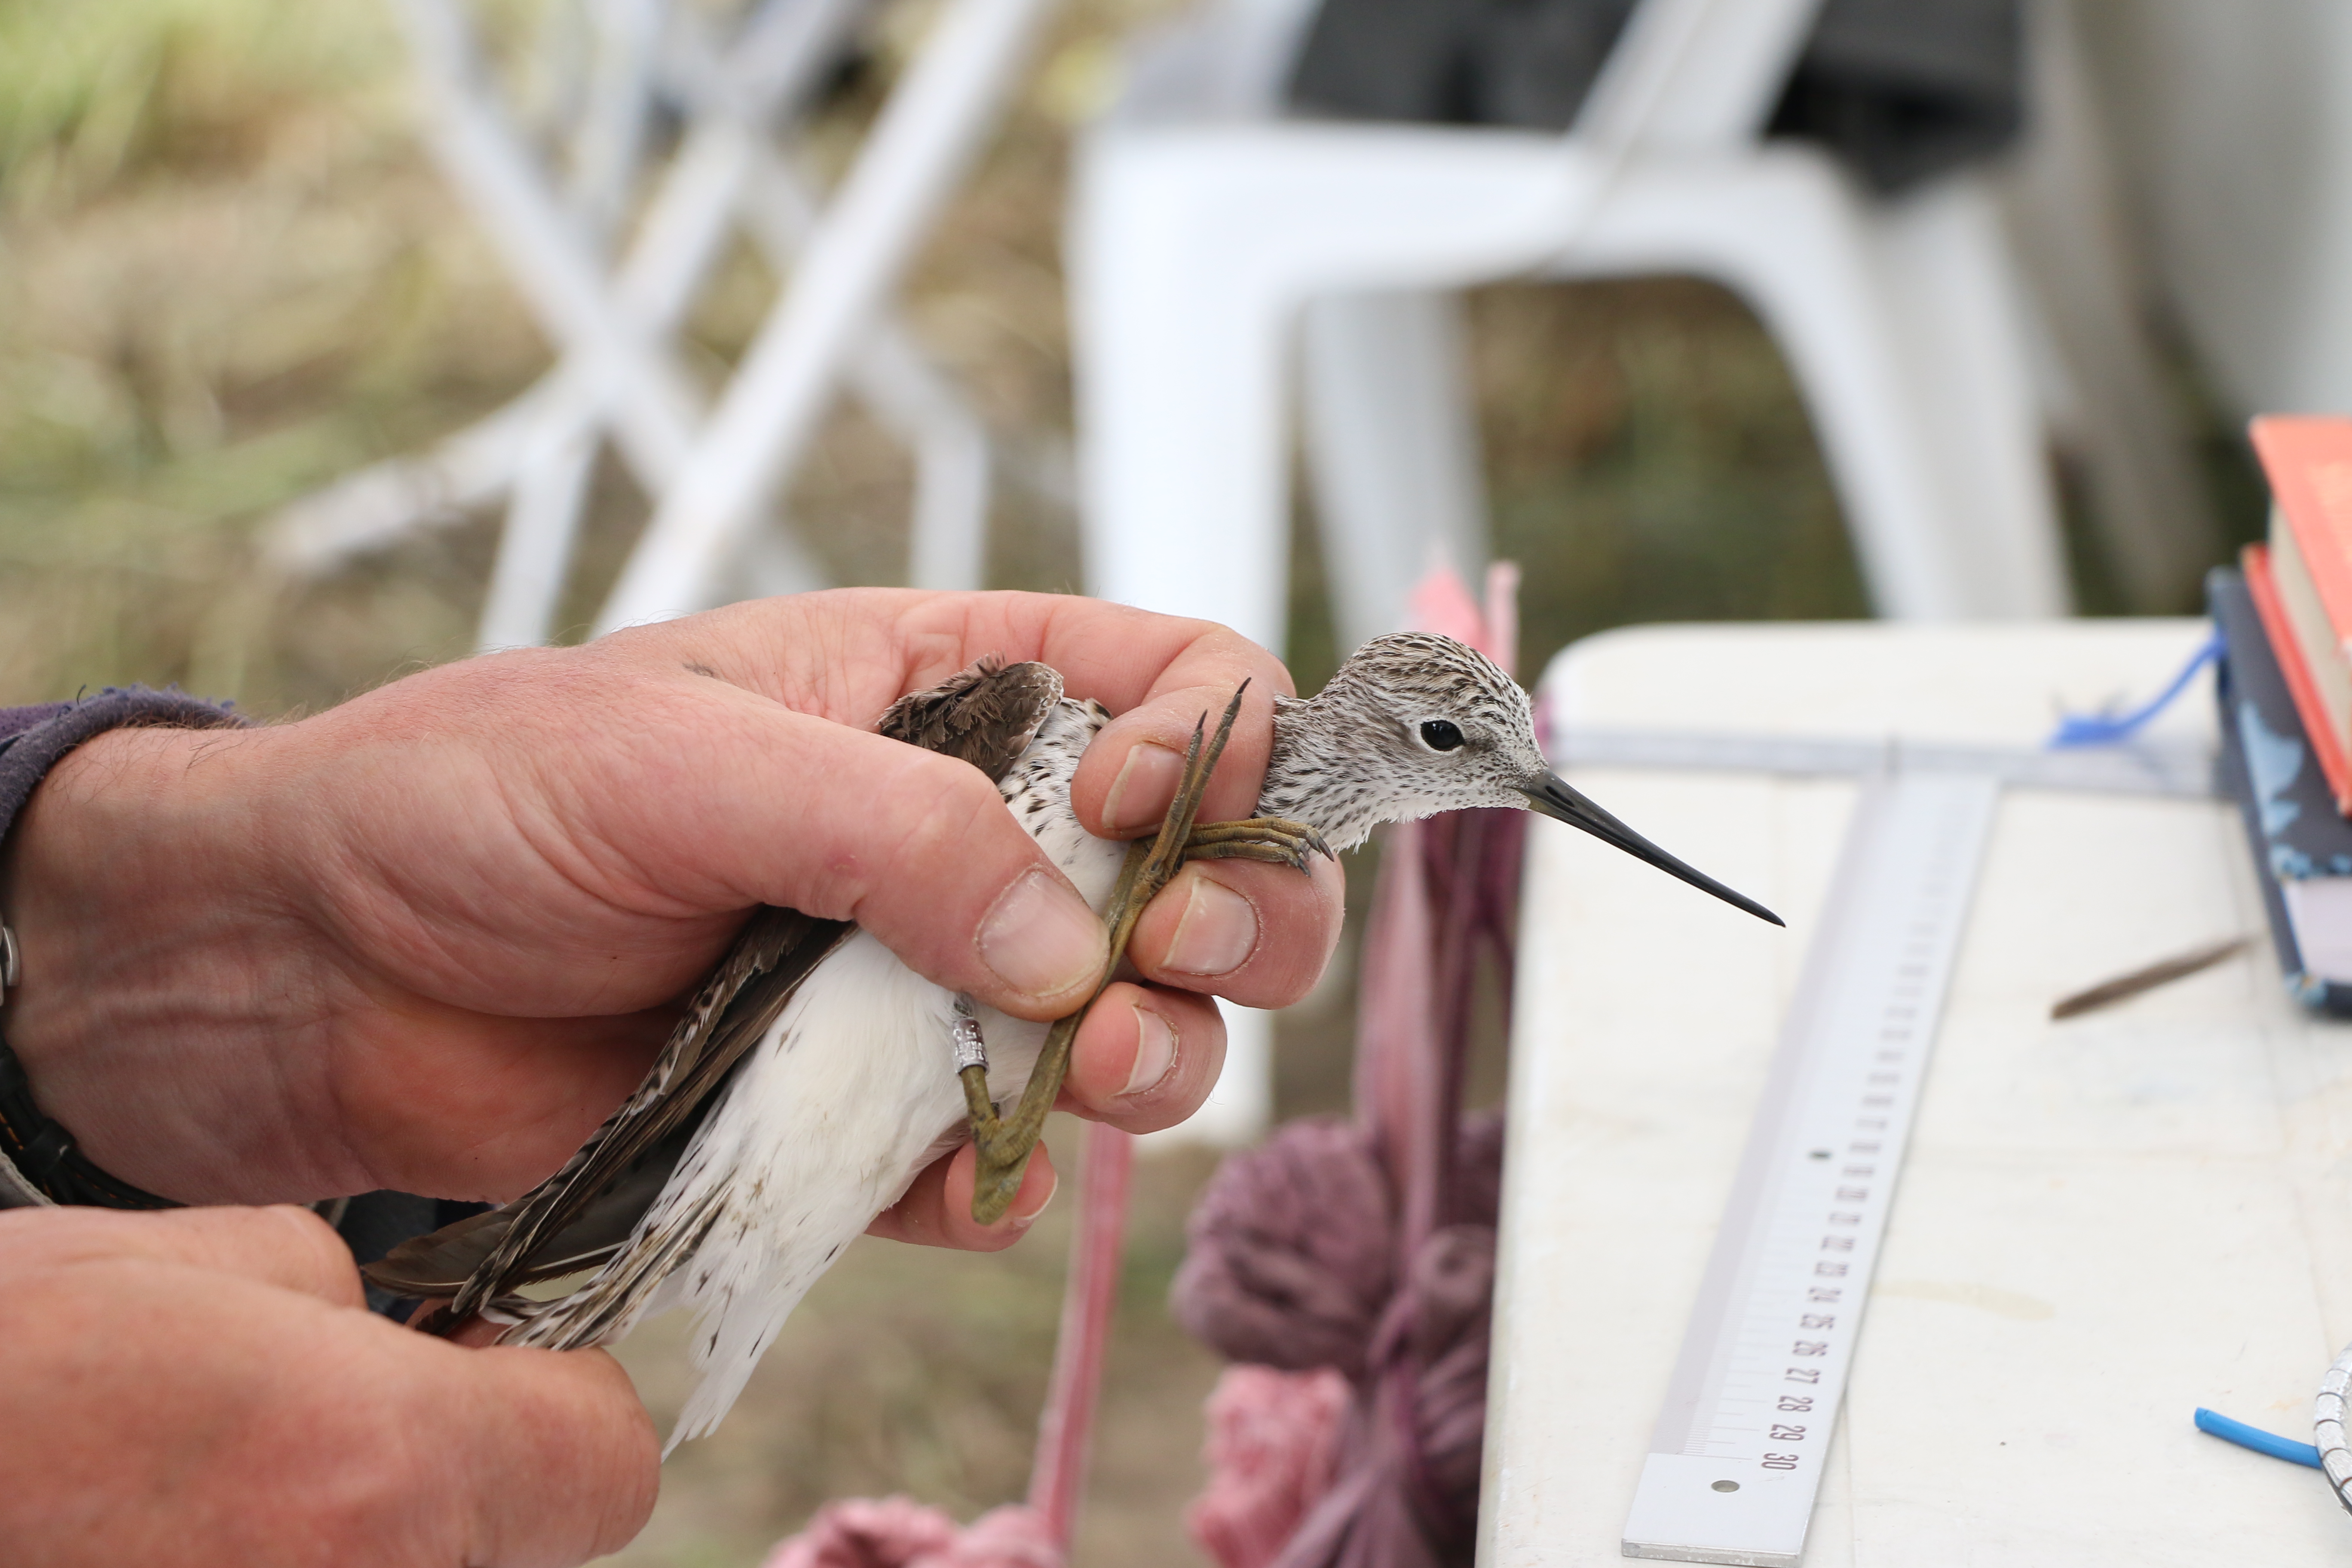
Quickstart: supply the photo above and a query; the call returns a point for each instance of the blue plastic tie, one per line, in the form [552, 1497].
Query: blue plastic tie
[2254, 1437]
[2105, 729]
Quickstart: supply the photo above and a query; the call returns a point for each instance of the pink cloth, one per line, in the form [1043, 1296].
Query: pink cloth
[1441, 603]
[1273, 1447]
[1287, 1257]
[1284, 1260]
[899, 1532]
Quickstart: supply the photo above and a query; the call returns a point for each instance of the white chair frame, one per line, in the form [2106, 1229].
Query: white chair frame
[619, 375]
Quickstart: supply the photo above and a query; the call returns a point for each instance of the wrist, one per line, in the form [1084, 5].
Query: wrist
[136, 881]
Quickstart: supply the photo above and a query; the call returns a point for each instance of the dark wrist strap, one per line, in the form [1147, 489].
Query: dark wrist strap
[44, 1152]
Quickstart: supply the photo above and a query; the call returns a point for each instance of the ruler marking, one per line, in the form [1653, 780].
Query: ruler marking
[1736, 1463]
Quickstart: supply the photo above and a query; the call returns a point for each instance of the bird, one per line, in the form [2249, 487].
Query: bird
[814, 1074]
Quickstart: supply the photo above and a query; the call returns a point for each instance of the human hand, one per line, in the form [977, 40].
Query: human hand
[427, 940]
[202, 1387]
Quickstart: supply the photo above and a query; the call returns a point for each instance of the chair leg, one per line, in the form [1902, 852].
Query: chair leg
[1241, 1107]
[1968, 338]
[1392, 450]
[550, 490]
[1188, 254]
[656, 404]
[1183, 437]
[954, 458]
[954, 463]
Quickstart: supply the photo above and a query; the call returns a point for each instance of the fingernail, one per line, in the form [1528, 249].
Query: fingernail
[1217, 933]
[1155, 1052]
[1041, 940]
[1024, 1213]
[1146, 784]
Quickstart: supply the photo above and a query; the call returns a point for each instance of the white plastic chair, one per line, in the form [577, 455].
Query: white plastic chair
[1205, 231]
[1201, 234]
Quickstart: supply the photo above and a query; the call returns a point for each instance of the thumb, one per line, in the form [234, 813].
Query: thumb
[560, 1460]
[784, 807]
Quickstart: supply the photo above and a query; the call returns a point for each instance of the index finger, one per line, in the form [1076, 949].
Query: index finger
[1166, 676]
[848, 654]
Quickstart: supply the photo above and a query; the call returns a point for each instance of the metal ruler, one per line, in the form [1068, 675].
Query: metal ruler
[1738, 1456]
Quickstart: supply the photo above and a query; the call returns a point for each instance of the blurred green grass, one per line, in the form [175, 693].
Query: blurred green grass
[227, 275]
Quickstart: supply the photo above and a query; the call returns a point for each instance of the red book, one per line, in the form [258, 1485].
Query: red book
[2302, 585]
[2281, 636]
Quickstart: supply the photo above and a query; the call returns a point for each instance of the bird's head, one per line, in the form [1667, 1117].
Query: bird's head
[1427, 724]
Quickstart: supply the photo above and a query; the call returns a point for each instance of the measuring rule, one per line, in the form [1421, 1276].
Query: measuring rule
[1737, 1456]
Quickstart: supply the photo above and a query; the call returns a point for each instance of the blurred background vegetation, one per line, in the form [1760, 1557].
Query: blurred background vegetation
[229, 275]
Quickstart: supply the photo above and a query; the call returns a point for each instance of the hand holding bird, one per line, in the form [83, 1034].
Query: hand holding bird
[428, 938]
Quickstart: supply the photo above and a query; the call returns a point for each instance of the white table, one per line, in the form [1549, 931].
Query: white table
[2101, 1223]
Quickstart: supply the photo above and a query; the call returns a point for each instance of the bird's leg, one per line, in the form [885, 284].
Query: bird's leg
[1004, 1143]
[1278, 839]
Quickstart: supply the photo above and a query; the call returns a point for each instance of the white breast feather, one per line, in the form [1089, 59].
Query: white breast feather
[837, 1110]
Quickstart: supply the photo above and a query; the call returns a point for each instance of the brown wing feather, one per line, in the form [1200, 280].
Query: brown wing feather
[495, 1252]
[437, 1264]
[578, 1217]
[986, 715]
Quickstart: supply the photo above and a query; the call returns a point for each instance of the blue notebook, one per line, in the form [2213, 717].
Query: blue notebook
[2301, 847]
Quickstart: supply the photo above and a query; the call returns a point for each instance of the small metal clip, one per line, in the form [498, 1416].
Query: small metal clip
[971, 1050]
[7, 961]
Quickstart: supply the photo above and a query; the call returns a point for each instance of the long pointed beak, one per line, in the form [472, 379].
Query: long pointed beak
[1553, 797]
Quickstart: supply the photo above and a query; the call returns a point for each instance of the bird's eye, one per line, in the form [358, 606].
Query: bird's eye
[1441, 735]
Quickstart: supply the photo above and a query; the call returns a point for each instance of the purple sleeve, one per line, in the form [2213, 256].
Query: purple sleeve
[17, 721]
[33, 739]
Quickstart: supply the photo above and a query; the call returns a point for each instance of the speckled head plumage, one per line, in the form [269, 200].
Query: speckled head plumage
[1413, 724]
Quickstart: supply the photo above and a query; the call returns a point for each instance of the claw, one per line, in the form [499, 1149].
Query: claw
[1004, 1143]
[1271, 827]
[1275, 839]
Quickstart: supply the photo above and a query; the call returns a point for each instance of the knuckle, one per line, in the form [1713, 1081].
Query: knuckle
[316, 1253]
